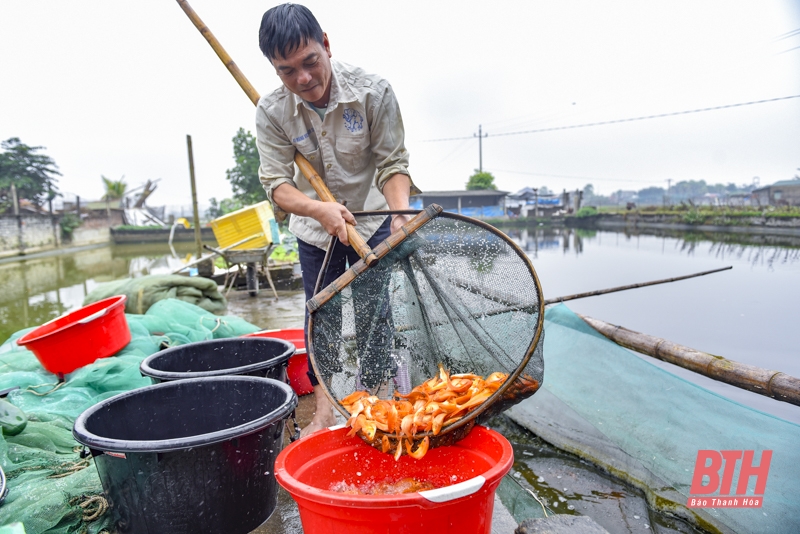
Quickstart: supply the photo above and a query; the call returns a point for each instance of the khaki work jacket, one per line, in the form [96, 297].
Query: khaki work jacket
[356, 148]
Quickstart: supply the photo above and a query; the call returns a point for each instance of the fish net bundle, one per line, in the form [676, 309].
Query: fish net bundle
[457, 297]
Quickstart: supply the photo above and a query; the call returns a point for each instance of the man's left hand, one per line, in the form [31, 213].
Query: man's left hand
[398, 221]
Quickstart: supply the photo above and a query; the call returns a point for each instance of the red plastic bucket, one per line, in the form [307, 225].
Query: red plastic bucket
[298, 364]
[466, 476]
[80, 337]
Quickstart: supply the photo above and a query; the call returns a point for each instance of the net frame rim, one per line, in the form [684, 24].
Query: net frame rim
[474, 414]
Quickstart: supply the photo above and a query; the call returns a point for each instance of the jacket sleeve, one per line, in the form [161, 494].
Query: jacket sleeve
[387, 138]
[276, 155]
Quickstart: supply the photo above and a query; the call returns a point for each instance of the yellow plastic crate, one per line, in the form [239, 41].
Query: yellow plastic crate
[252, 220]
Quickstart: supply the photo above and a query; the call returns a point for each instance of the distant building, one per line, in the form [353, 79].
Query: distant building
[523, 203]
[475, 203]
[783, 193]
[623, 196]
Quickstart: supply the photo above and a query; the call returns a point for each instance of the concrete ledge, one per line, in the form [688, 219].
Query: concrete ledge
[560, 524]
[159, 235]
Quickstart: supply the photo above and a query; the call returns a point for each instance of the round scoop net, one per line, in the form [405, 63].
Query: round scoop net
[457, 297]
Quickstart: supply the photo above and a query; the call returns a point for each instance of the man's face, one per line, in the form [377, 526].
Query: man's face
[306, 71]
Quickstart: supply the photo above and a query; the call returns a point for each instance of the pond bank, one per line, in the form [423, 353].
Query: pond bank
[693, 221]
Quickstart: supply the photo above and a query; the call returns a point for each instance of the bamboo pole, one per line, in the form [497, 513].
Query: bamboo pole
[766, 382]
[358, 243]
[240, 78]
[631, 286]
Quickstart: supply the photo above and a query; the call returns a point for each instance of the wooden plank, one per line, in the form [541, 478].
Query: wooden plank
[769, 383]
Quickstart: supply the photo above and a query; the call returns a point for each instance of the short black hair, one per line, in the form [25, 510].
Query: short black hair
[285, 28]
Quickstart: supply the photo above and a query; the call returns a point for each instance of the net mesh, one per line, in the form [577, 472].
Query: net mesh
[456, 293]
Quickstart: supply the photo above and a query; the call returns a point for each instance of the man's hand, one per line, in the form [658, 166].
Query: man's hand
[398, 221]
[330, 215]
[397, 190]
[333, 217]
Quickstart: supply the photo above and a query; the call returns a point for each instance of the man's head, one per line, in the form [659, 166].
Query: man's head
[295, 44]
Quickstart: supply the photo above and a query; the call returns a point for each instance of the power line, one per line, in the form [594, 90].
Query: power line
[617, 121]
[788, 34]
[548, 175]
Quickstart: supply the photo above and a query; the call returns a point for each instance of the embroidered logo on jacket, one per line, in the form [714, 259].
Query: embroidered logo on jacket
[304, 136]
[353, 120]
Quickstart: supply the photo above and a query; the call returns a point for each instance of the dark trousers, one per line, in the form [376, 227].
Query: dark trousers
[373, 325]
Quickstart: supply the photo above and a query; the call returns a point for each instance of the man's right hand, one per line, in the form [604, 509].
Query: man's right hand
[333, 217]
[330, 215]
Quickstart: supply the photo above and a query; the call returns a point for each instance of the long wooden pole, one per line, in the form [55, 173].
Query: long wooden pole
[631, 286]
[766, 382]
[197, 236]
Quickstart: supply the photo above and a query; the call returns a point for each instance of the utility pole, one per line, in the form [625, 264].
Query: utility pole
[196, 212]
[480, 137]
[669, 184]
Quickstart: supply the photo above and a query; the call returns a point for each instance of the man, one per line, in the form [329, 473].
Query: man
[347, 124]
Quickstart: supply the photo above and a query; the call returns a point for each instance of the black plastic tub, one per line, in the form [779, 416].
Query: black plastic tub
[264, 357]
[189, 456]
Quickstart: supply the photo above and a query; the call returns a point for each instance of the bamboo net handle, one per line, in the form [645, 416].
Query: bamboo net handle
[766, 382]
[391, 242]
[356, 241]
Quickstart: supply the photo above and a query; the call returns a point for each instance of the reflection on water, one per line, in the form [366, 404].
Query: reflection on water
[754, 249]
[34, 291]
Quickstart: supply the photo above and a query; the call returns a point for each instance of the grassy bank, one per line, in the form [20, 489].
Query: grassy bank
[694, 215]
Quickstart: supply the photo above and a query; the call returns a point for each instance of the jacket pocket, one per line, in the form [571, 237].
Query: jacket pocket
[353, 153]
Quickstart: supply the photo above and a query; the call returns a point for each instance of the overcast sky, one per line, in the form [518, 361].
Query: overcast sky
[112, 88]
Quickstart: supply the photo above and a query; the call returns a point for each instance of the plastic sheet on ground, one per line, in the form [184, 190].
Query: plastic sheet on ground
[646, 425]
[144, 291]
[47, 479]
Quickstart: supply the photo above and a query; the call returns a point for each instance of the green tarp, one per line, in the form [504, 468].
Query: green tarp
[646, 425]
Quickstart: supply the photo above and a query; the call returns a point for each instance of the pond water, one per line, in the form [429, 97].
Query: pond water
[746, 314]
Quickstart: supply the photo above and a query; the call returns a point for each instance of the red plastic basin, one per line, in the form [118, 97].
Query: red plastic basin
[466, 475]
[80, 337]
[298, 364]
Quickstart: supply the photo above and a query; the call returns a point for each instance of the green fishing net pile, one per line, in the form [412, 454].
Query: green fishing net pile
[144, 291]
[51, 488]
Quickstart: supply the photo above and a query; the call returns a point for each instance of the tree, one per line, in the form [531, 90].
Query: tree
[115, 189]
[651, 196]
[544, 191]
[222, 207]
[481, 180]
[32, 173]
[244, 176]
[689, 189]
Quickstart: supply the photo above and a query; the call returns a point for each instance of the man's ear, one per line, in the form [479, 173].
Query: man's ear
[326, 44]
